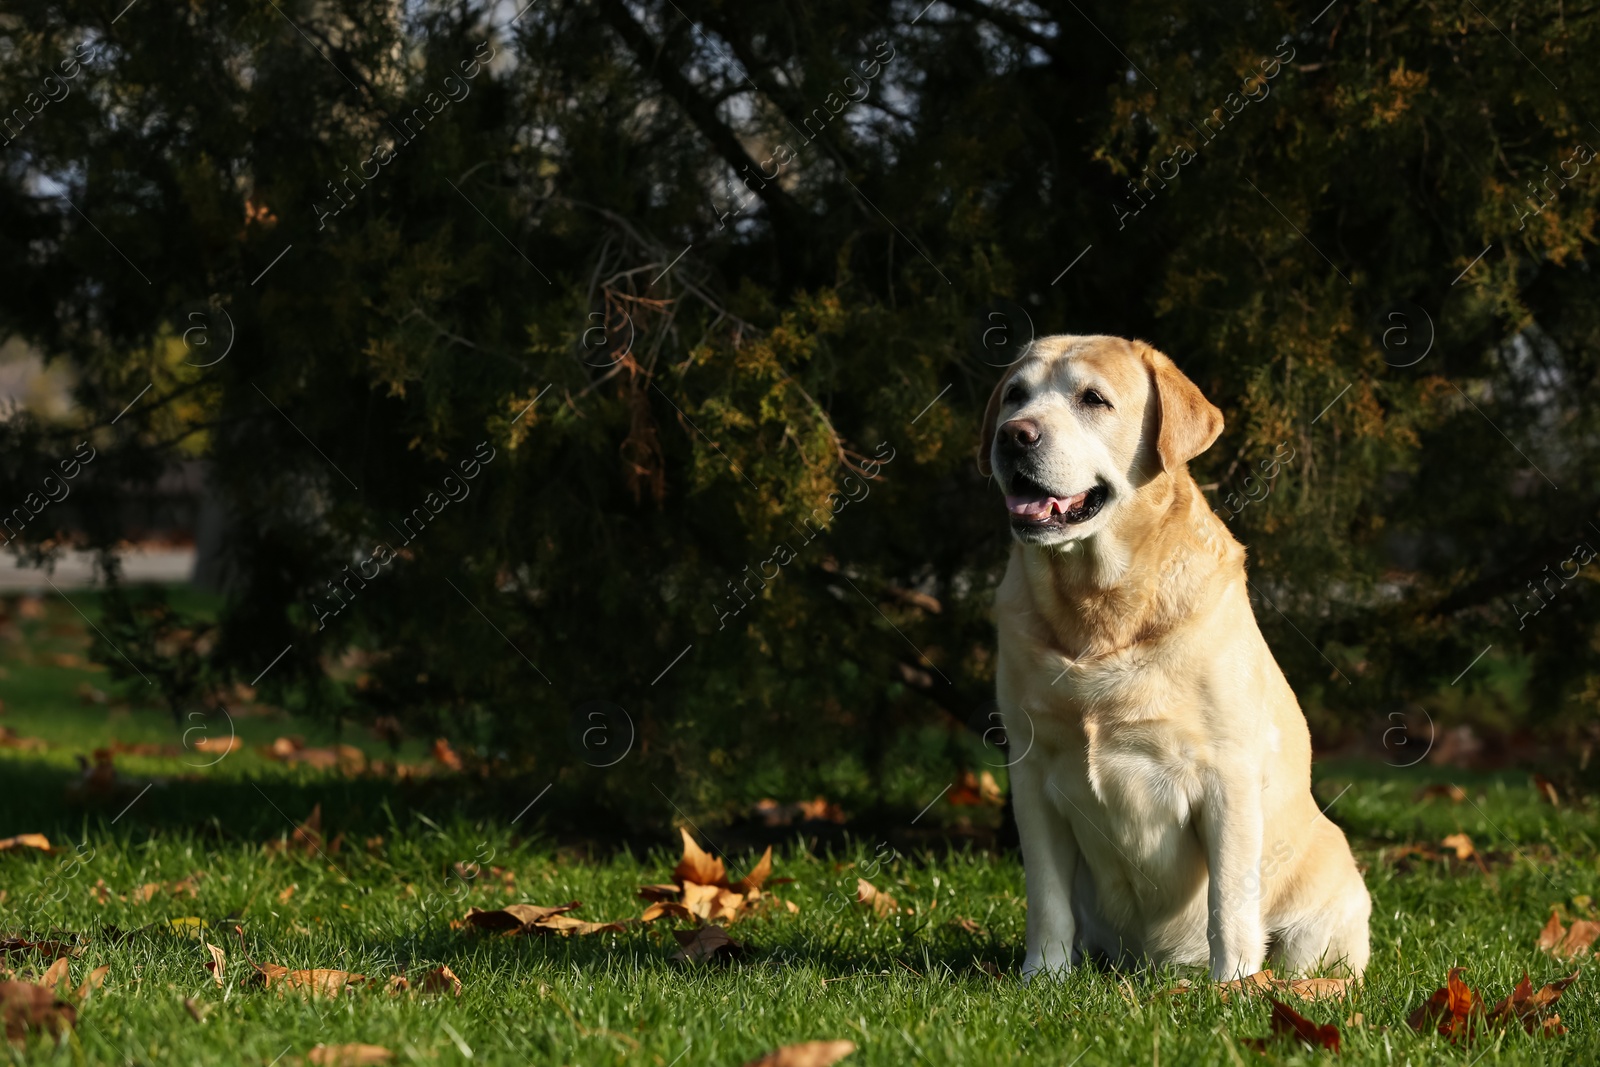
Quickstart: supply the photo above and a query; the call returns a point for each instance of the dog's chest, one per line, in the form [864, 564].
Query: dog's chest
[1120, 754]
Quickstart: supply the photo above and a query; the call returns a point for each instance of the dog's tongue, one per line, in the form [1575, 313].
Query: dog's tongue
[1039, 508]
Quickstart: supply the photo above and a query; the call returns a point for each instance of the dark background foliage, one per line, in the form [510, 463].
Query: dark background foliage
[673, 368]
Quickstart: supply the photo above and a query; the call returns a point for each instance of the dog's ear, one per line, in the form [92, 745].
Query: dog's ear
[991, 415]
[1187, 423]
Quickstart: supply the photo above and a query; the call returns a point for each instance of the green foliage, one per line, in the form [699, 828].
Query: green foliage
[568, 258]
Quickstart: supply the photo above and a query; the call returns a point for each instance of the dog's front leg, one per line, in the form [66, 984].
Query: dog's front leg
[1049, 857]
[1230, 826]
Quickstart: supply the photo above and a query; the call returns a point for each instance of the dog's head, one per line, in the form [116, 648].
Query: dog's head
[1079, 425]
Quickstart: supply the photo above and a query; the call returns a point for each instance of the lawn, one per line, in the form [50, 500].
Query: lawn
[933, 982]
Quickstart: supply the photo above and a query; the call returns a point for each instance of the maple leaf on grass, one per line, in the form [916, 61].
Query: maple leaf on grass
[805, 1054]
[348, 1055]
[700, 888]
[971, 791]
[440, 980]
[43, 1006]
[521, 919]
[706, 944]
[1457, 1011]
[38, 841]
[1564, 943]
[1526, 1006]
[1286, 1022]
[1308, 988]
[881, 903]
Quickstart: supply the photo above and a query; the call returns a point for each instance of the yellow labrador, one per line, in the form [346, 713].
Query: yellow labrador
[1164, 805]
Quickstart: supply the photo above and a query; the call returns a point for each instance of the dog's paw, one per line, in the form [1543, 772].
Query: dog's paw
[1042, 965]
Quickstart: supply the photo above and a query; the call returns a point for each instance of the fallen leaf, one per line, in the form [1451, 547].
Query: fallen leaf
[25, 1006]
[706, 944]
[1286, 1022]
[1454, 793]
[218, 964]
[38, 841]
[441, 980]
[881, 903]
[665, 907]
[1564, 943]
[1252, 983]
[668, 891]
[51, 948]
[567, 926]
[307, 837]
[10, 739]
[55, 975]
[805, 1054]
[974, 790]
[444, 755]
[349, 1055]
[1318, 988]
[515, 917]
[1547, 789]
[283, 897]
[1462, 844]
[1526, 1006]
[1454, 1009]
[318, 982]
[698, 867]
[96, 979]
[757, 876]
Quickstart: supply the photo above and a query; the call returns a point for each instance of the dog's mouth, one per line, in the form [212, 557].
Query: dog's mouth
[1032, 507]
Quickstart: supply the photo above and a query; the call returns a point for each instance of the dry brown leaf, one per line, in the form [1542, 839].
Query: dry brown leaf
[96, 979]
[38, 841]
[881, 903]
[25, 1006]
[660, 892]
[973, 791]
[349, 1055]
[218, 963]
[758, 874]
[1526, 1005]
[567, 926]
[698, 867]
[1455, 1009]
[55, 976]
[706, 944]
[1253, 983]
[1454, 793]
[1547, 790]
[10, 739]
[665, 907]
[318, 982]
[441, 980]
[1286, 1022]
[805, 1054]
[10, 944]
[1568, 944]
[1462, 844]
[444, 755]
[283, 897]
[1317, 988]
[515, 917]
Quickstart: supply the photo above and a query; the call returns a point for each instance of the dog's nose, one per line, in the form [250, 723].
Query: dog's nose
[1019, 435]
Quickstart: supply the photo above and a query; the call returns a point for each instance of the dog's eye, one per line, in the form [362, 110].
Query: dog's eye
[1094, 399]
[1016, 395]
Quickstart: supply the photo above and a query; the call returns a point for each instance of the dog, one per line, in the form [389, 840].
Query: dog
[1163, 794]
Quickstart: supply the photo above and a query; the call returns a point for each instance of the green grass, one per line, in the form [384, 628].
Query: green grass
[907, 989]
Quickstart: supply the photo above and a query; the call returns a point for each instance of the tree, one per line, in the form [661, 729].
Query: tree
[708, 298]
